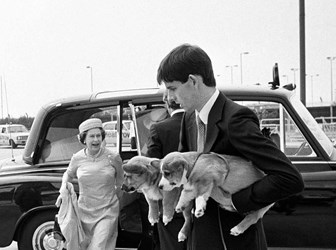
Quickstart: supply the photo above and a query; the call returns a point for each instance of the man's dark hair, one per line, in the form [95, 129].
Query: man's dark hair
[184, 60]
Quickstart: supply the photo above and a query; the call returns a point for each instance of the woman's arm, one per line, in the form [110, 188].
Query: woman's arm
[116, 162]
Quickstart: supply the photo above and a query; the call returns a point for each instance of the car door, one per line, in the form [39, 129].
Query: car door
[306, 220]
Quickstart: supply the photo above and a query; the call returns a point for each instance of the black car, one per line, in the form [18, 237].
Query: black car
[28, 192]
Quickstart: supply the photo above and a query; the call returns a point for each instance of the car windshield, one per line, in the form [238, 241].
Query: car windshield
[17, 129]
[313, 126]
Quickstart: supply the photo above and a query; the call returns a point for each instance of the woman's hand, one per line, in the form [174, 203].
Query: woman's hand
[63, 191]
[58, 201]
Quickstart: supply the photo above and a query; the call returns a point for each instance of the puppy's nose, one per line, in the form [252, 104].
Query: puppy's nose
[160, 186]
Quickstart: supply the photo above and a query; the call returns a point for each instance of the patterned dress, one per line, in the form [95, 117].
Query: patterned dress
[98, 203]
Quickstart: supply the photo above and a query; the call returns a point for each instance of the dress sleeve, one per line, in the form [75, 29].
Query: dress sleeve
[116, 163]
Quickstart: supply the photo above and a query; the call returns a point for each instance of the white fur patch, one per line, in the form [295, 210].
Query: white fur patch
[200, 205]
[164, 184]
[153, 193]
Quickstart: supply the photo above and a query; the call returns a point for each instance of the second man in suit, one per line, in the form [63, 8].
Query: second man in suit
[163, 139]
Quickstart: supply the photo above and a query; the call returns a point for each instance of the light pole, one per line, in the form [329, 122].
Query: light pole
[231, 66]
[294, 70]
[89, 67]
[286, 77]
[241, 66]
[331, 59]
[312, 87]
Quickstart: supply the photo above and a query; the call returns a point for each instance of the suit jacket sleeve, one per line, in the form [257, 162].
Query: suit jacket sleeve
[282, 178]
[154, 144]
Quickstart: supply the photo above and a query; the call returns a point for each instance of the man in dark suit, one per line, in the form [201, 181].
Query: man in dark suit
[229, 129]
[163, 139]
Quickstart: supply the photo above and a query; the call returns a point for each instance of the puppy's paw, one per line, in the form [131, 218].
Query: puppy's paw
[166, 219]
[235, 231]
[199, 212]
[181, 237]
[152, 221]
[179, 209]
[200, 206]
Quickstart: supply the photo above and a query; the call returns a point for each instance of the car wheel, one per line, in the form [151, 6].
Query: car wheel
[38, 234]
[12, 144]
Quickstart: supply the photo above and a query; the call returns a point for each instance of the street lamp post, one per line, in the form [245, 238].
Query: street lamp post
[241, 66]
[331, 58]
[231, 66]
[89, 67]
[312, 87]
[294, 70]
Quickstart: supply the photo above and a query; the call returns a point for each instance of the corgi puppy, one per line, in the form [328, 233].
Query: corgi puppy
[142, 174]
[205, 175]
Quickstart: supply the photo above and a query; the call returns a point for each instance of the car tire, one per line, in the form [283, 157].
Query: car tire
[12, 143]
[37, 233]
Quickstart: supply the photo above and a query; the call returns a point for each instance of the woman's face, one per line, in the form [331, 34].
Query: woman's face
[93, 140]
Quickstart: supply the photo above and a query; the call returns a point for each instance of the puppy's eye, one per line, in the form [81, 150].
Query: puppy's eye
[166, 173]
[172, 183]
[127, 176]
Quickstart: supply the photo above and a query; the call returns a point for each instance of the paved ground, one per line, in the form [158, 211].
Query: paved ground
[10, 157]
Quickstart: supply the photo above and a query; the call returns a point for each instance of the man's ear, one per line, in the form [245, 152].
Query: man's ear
[193, 79]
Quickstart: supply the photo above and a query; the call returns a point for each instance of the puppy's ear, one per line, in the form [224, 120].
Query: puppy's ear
[134, 169]
[156, 163]
[154, 167]
[179, 164]
[154, 170]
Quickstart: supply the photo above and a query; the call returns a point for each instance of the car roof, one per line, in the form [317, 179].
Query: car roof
[229, 90]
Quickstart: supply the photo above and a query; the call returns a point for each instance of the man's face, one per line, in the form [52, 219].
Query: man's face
[183, 94]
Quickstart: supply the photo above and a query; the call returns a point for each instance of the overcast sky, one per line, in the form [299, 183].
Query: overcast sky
[45, 46]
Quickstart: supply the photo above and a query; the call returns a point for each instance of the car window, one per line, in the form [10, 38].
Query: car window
[277, 124]
[313, 126]
[17, 129]
[143, 116]
[110, 126]
[62, 142]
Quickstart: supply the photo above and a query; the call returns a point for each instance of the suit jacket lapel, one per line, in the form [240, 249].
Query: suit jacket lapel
[215, 116]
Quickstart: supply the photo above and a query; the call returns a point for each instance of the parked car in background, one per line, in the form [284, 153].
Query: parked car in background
[13, 135]
[127, 134]
[28, 192]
